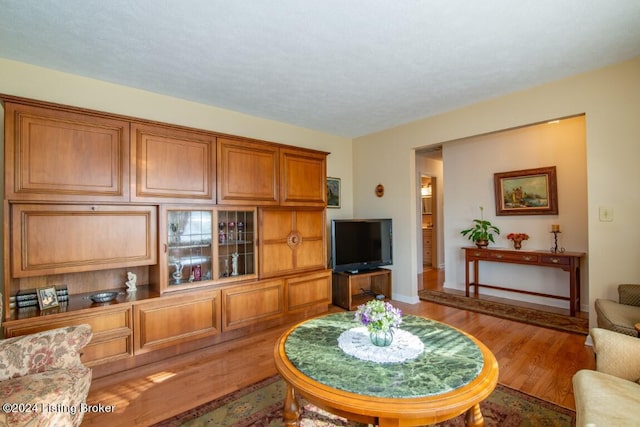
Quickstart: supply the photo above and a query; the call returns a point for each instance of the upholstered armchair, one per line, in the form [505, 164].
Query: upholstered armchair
[610, 395]
[42, 380]
[620, 316]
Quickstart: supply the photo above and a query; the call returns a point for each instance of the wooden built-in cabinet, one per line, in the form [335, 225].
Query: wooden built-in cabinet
[291, 240]
[226, 234]
[64, 155]
[111, 324]
[54, 238]
[303, 178]
[308, 290]
[163, 322]
[247, 173]
[250, 304]
[172, 164]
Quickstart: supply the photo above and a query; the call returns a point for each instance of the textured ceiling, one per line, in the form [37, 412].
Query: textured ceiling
[347, 67]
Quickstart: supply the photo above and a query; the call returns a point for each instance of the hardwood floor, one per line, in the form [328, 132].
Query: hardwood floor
[532, 359]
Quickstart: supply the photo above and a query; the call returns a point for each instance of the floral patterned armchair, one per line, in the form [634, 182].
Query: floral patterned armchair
[42, 380]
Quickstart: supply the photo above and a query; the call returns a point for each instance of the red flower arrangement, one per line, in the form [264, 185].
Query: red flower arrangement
[518, 236]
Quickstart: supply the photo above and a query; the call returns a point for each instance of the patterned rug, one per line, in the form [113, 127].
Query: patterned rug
[577, 325]
[260, 405]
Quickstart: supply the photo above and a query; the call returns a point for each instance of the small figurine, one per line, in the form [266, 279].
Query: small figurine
[234, 264]
[131, 282]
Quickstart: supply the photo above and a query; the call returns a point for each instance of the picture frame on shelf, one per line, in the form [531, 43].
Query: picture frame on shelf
[47, 298]
[526, 192]
[333, 192]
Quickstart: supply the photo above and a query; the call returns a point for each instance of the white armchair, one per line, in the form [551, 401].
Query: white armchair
[610, 395]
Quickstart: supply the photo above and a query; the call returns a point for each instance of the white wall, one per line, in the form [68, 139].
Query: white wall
[610, 98]
[469, 166]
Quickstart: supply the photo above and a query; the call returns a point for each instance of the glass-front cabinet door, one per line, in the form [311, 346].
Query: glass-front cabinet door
[203, 246]
[236, 254]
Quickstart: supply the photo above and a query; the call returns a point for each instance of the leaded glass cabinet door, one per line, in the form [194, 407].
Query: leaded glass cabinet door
[189, 255]
[236, 257]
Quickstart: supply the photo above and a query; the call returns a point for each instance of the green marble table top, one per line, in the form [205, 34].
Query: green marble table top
[450, 359]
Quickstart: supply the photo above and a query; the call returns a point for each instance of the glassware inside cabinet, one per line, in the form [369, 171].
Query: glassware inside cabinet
[236, 243]
[189, 236]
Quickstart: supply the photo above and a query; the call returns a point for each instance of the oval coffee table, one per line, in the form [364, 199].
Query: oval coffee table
[453, 374]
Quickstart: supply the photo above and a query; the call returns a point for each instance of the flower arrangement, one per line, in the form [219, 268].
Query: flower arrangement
[378, 316]
[517, 236]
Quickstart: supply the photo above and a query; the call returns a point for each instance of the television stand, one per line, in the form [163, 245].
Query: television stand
[349, 290]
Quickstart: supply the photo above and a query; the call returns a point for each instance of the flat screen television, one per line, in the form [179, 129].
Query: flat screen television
[361, 244]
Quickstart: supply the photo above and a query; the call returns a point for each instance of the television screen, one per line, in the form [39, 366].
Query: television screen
[361, 244]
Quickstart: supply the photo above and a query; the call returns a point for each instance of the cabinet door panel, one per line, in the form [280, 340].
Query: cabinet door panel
[172, 164]
[247, 173]
[247, 305]
[303, 178]
[291, 240]
[167, 322]
[308, 290]
[54, 239]
[67, 156]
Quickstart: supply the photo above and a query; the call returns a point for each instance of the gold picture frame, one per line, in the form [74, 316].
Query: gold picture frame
[526, 192]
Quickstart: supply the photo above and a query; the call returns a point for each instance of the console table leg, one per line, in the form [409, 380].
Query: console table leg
[473, 417]
[291, 410]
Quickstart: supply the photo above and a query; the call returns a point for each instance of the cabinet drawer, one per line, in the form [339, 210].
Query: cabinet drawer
[477, 253]
[173, 320]
[54, 239]
[524, 257]
[112, 332]
[555, 260]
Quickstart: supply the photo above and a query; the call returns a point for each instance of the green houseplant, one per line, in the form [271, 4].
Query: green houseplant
[482, 232]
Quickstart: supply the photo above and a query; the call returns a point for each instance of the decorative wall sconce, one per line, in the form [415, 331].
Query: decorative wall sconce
[379, 190]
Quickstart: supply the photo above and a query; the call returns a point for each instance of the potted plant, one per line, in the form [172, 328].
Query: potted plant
[482, 232]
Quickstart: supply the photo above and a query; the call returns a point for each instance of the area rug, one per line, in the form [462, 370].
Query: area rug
[577, 325]
[260, 405]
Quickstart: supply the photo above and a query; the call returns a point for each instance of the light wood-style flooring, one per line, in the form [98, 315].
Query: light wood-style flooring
[532, 359]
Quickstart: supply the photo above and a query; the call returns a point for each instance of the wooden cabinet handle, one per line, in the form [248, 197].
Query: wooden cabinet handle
[555, 260]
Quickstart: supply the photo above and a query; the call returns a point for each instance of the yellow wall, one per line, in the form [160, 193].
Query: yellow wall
[610, 98]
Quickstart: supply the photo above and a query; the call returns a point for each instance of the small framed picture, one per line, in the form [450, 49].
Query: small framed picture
[333, 192]
[47, 298]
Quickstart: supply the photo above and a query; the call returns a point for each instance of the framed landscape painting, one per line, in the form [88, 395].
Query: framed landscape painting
[333, 192]
[527, 192]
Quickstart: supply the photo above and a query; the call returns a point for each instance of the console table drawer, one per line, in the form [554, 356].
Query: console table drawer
[556, 260]
[524, 257]
[480, 253]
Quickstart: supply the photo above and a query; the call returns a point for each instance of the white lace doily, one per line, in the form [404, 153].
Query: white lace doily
[356, 342]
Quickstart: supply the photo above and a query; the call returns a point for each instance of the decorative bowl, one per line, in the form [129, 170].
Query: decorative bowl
[104, 296]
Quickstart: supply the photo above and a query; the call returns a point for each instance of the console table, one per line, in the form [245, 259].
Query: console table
[567, 261]
[452, 376]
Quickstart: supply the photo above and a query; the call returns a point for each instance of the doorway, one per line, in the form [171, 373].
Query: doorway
[429, 165]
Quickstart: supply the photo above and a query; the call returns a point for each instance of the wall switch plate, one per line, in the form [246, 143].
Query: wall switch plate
[606, 214]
